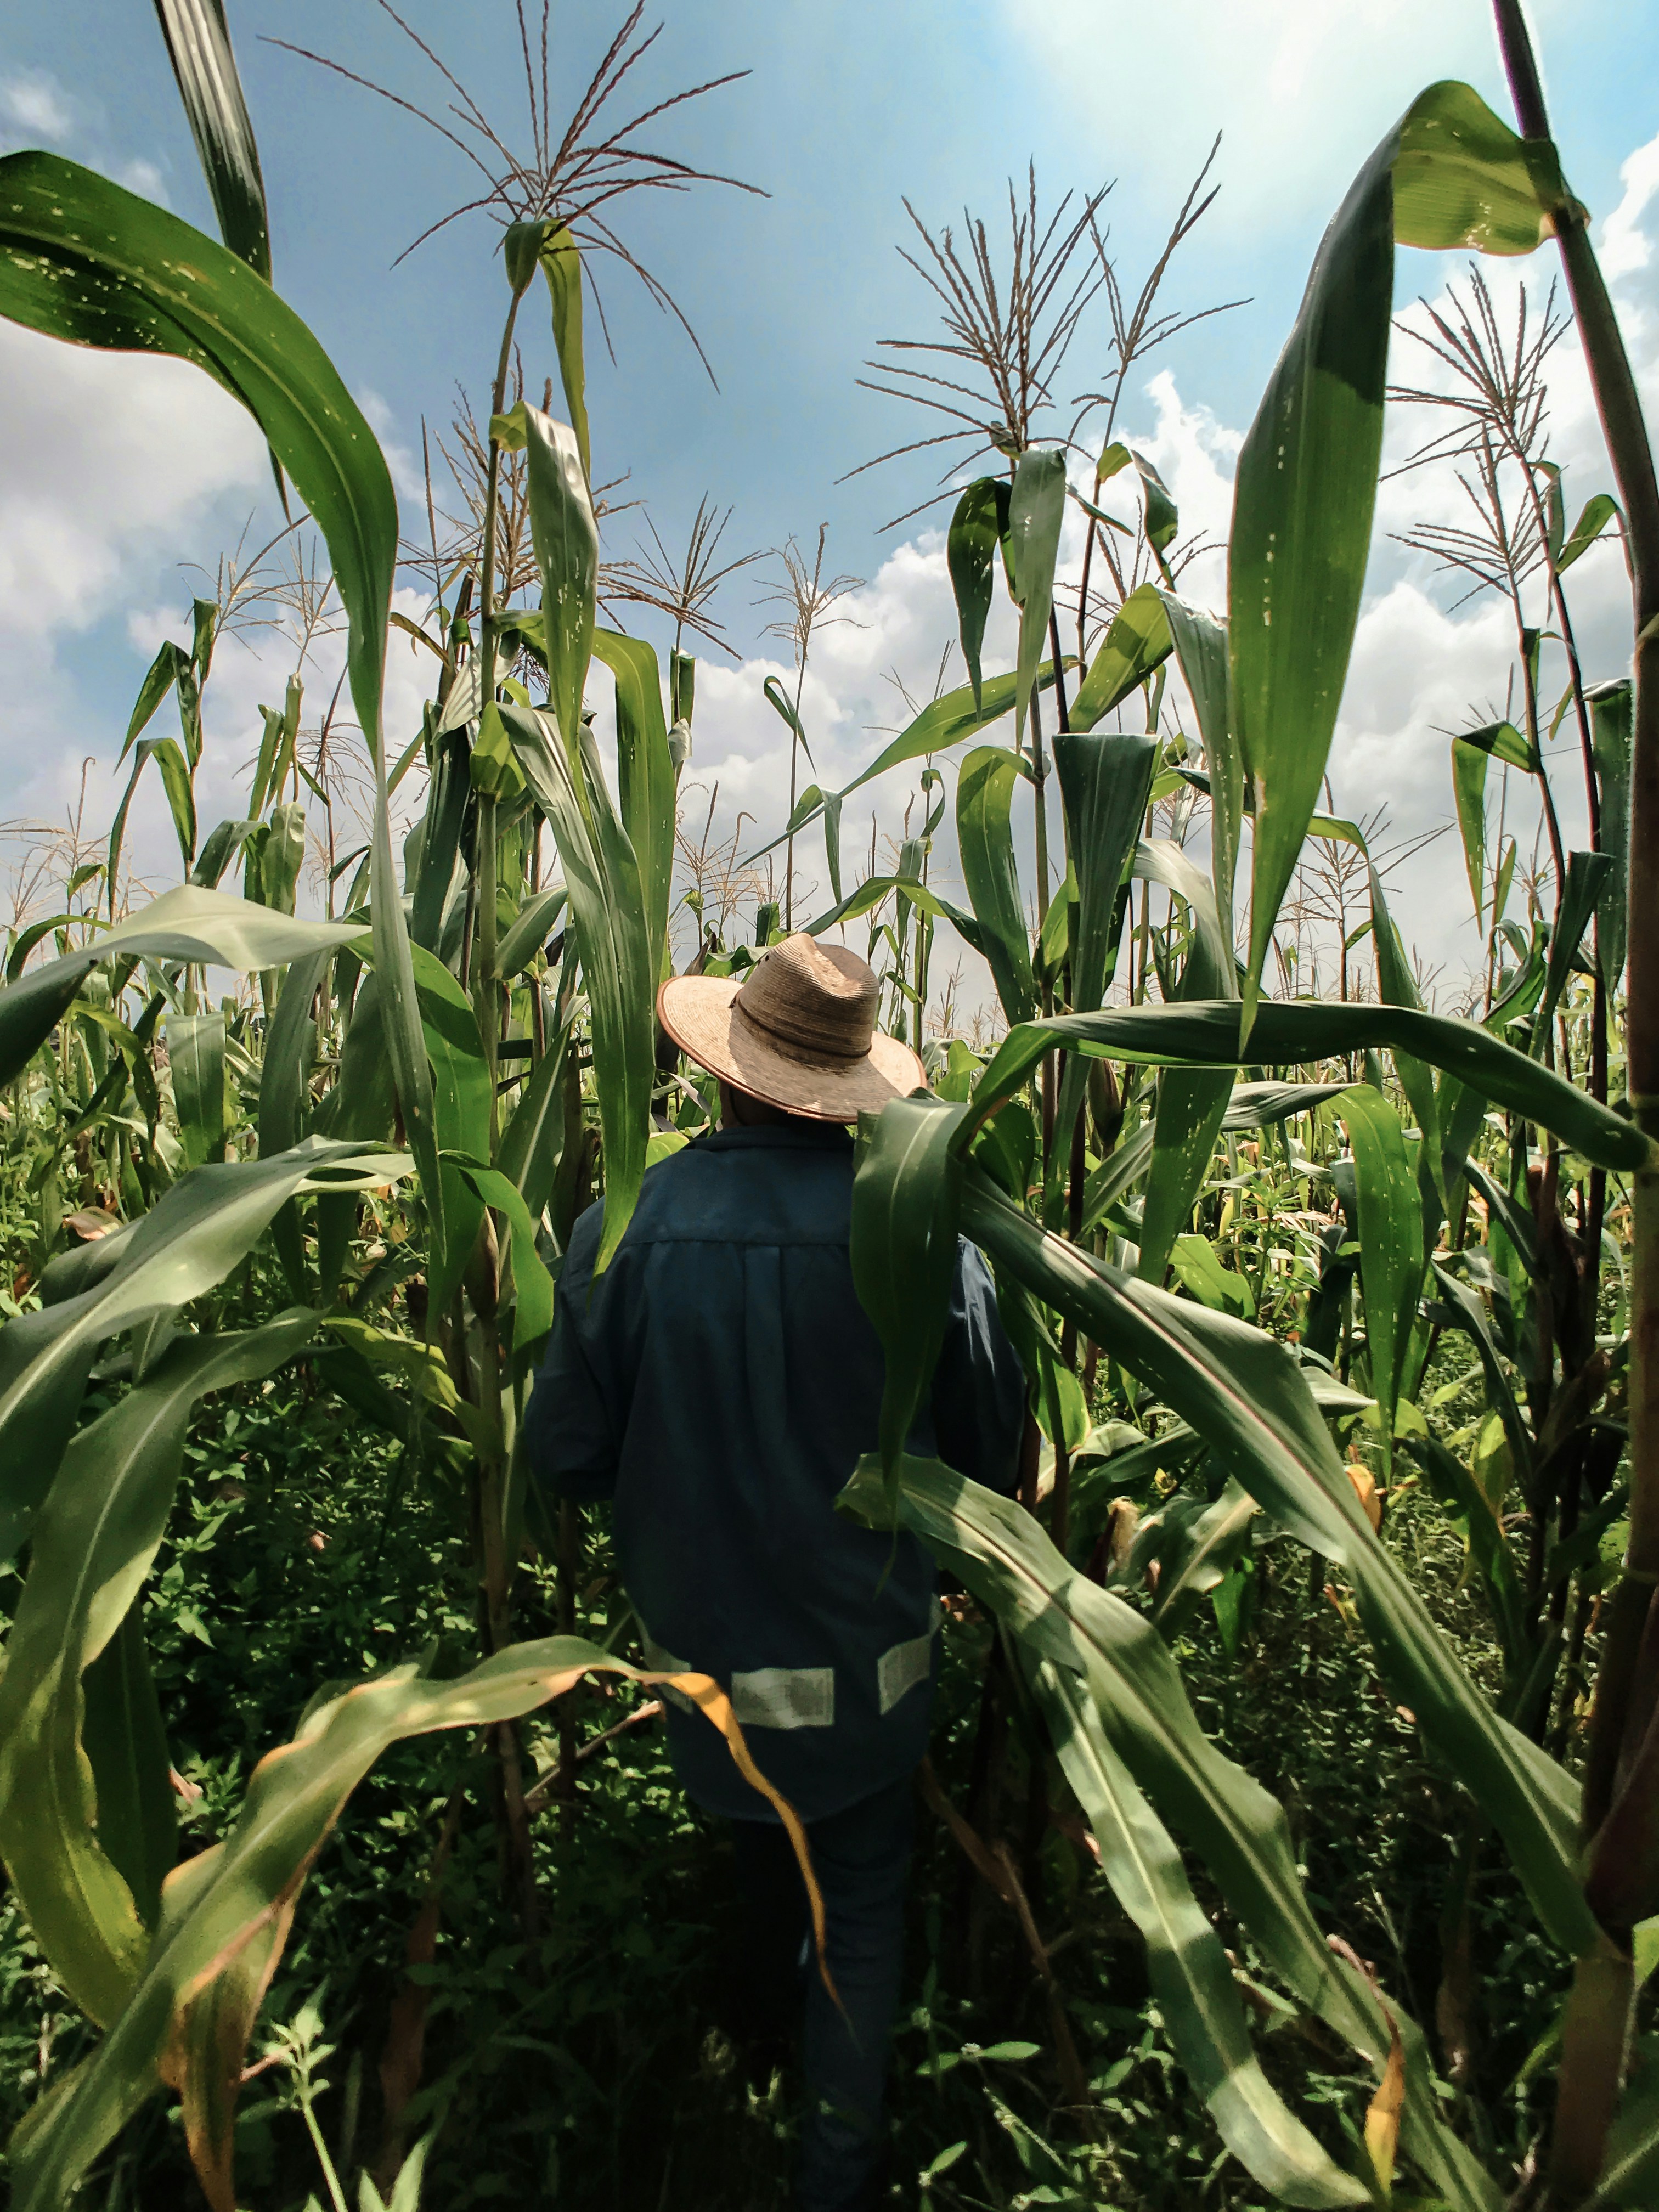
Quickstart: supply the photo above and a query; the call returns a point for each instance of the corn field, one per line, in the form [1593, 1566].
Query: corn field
[1293, 1827]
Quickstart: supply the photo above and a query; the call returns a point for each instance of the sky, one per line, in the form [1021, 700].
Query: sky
[116, 476]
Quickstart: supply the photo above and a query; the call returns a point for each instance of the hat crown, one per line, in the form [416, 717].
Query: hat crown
[820, 1001]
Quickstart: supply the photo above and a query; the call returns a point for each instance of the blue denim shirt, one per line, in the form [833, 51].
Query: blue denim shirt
[719, 1380]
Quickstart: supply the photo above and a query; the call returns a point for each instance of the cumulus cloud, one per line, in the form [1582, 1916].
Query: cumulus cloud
[1624, 247]
[33, 107]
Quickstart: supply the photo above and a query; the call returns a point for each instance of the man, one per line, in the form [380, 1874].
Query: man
[719, 1381]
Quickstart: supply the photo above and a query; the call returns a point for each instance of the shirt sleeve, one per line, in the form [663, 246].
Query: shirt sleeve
[979, 1386]
[571, 1438]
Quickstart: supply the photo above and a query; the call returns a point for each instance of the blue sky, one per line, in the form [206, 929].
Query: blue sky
[847, 108]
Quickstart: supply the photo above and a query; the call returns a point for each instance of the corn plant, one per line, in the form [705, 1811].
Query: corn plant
[437, 1057]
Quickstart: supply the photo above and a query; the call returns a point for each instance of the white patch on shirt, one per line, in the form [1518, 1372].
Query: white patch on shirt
[785, 1698]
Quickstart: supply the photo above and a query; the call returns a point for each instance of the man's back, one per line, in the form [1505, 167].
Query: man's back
[721, 1380]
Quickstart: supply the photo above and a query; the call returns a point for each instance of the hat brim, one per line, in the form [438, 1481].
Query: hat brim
[700, 1013]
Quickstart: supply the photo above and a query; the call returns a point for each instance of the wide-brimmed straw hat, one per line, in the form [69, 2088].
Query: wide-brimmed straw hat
[799, 1031]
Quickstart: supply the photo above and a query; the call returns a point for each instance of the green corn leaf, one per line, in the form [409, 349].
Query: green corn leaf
[904, 1249]
[1391, 1256]
[944, 723]
[290, 1049]
[1463, 1309]
[1160, 517]
[209, 928]
[532, 1285]
[1104, 782]
[1489, 1547]
[562, 265]
[282, 856]
[196, 1052]
[91, 1548]
[160, 678]
[566, 540]
[530, 932]
[445, 811]
[225, 1913]
[1588, 877]
[977, 527]
[532, 1142]
[1600, 511]
[1036, 507]
[985, 844]
[460, 1098]
[1216, 1540]
[1469, 789]
[1201, 647]
[1191, 1101]
[1501, 741]
[198, 45]
[1198, 1998]
[219, 848]
[1243, 1392]
[1292, 1033]
[1396, 985]
[151, 284]
[1061, 1616]
[1138, 640]
[1450, 173]
[125, 1738]
[607, 913]
[189, 1240]
[1610, 742]
[647, 784]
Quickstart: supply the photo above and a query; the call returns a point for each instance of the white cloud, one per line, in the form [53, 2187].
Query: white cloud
[1624, 247]
[34, 106]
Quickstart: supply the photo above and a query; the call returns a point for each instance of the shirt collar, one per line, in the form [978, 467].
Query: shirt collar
[820, 1137]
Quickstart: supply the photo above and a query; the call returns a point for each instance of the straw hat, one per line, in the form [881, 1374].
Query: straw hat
[798, 1032]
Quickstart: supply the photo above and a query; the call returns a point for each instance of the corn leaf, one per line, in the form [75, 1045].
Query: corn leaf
[646, 781]
[1202, 2012]
[1450, 173]
[196, 1054]
[1290, 1033]
[607, 912]
[92, 1544]
[566, 540]
[985, 844]
[189, 1240]
[225, 1914]
[978, 524]
[198, 47]
[1391, 1256]
[1137, 640]
[1036, 507]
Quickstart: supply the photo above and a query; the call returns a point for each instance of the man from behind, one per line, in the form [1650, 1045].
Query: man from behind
[719, 1381]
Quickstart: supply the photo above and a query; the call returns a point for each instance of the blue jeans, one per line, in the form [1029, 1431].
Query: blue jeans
[861, 1858]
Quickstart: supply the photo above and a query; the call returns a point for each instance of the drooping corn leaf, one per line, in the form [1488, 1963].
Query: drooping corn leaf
[92, 1544]
[904, 1249]
[524, 938]
[532, 1285]
[1199, 2000]
[211, 928]
[1244, 1394]
[1060, 1615]
[1588, 877]
[189, 1240]
[125, 1741]
[1468, 764]
[1397, 984]
[225, 1913]
[1292, 1033]
[84, 260]
[550, 246]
